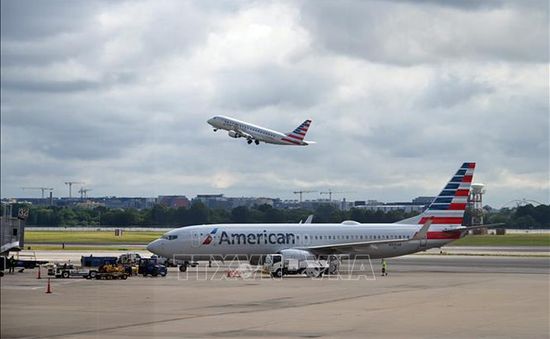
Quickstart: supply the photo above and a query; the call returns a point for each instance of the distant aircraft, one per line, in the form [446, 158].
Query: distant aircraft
[252, 133]
[438, 225]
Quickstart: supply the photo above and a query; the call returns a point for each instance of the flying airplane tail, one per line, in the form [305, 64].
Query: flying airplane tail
[448, 207]
[298, 135]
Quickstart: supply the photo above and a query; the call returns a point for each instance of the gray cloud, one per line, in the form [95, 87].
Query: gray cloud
[252, 89]
[117, 94]
[409, 32]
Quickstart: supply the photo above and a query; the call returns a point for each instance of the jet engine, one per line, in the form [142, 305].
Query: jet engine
[234, 134]
[297, 254]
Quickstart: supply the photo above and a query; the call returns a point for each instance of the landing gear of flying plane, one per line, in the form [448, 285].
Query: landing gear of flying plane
[257, 142]
[215, 129]
[249, 141]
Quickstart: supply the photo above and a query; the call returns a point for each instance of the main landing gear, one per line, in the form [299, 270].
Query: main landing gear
[183, 267]
[257, 142]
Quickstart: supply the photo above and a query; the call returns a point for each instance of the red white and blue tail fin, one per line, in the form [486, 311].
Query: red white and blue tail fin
[448, 207]
[297, 136]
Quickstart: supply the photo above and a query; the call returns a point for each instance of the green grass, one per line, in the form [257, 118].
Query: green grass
[504, 240]
[81, 248]
[90, 237]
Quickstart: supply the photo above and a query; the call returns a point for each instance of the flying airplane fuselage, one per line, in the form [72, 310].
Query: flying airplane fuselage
[253, 133]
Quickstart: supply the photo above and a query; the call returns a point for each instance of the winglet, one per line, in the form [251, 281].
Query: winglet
[423, 233]
[309, 219]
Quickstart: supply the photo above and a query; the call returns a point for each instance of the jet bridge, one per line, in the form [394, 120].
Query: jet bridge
[12, 229]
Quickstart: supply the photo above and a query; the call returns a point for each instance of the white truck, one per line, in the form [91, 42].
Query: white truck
[280, 264]
[68, 271]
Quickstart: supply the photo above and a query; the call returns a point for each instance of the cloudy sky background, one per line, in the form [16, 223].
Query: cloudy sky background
[117, 94]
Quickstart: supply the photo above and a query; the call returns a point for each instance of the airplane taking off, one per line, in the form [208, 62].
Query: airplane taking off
[438, 225]
[252, 133]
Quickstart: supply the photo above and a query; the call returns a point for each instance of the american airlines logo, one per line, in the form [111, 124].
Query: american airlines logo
[263, 238]
[209, 237]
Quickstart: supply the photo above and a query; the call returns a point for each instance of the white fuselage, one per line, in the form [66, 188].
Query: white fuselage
[204, 241]
[241, 129]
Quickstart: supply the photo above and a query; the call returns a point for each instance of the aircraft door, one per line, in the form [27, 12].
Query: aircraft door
[195, 239]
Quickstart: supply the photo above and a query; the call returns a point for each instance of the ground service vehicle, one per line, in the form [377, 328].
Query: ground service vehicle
[110, 272]
[129, 258]
[167, 262]
[150, 266]
[93, 263]
[68, 271]
[277, 265]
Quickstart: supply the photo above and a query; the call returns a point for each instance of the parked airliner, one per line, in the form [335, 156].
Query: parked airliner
[438, 225]
[252, 133]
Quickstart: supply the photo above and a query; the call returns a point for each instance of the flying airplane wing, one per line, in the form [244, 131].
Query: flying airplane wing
[358, 246]
[242, 134]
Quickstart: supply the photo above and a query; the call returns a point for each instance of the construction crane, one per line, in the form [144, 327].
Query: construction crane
[331, 192]
[70, 184]
[301, 192]
[38, 188]
[83, 192]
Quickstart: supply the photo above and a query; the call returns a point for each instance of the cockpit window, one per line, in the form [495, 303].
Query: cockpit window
[169, 237]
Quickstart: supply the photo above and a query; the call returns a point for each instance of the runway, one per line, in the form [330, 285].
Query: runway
[423, 296]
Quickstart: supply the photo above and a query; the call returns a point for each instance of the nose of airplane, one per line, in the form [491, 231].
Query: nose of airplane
[210, 121]
[154, 246]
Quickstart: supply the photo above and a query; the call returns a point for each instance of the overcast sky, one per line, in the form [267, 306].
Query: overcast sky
[117, 94]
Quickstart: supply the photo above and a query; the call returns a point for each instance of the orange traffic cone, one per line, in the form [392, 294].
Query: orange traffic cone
[49, 288]
[38, 273]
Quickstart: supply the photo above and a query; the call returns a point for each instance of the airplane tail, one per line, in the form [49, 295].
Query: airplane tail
[297, 136]
[448, 207]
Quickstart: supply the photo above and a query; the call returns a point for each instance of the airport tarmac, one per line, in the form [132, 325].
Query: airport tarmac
[423, 296]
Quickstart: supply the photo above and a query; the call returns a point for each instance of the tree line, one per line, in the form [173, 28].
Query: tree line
[527, 216]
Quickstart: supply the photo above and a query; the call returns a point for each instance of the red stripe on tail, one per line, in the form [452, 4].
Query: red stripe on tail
[442, 220]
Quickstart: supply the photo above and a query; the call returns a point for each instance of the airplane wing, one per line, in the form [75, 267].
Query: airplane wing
[242, 134]
[468, 228]
[346, 248]
[349, 247]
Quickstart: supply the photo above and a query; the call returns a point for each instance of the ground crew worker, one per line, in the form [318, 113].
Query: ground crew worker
[384, 267]
[11, 264]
